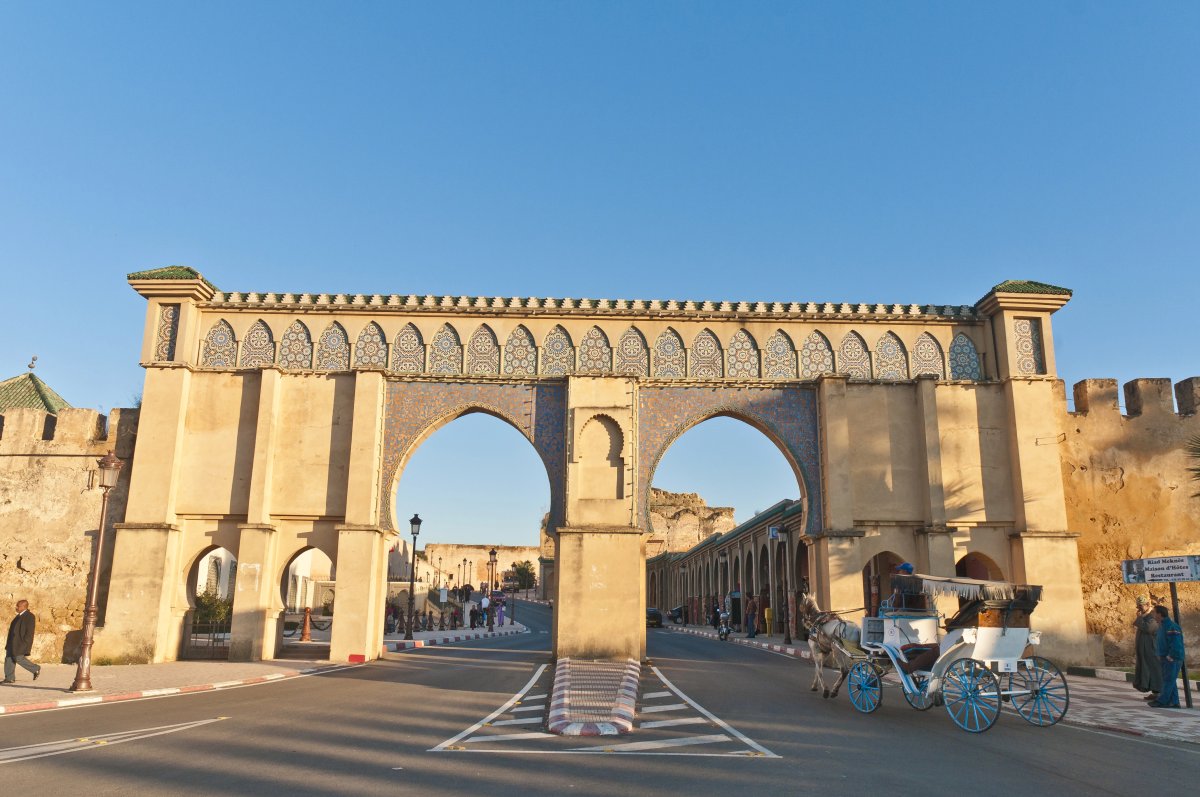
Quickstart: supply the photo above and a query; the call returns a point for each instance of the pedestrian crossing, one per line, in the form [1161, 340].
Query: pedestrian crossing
[668, 722]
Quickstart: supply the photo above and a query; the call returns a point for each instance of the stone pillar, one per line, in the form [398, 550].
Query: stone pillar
[256, 603]
[839, 572]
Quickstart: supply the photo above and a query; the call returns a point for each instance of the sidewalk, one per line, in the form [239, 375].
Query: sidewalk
[1099, 702]
[396, 642]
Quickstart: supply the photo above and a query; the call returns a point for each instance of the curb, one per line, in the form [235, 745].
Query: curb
[413, 644]
[787, 650]
[621, 715]
[1106, 674]
[70, 702]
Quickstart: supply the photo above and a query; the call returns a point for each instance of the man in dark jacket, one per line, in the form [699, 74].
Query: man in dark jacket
[20, 644]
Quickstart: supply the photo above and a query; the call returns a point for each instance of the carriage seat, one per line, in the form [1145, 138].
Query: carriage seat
[919, 656]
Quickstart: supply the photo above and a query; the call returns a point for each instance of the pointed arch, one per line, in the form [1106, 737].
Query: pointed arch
[743, 356]
[258, 347]
[408, 351]
[669, 359]
[853, 358]
[295, 347]
[333, 349]
[558, 353]
[706, 361]
[927, 357]
[633, 355]
[370, 350]
[446, 352]
[520, 353]
[779, 358]
[595, 354]
[220, 349]
[816, 356]
[891, 361]
[964, 359]
[483, 352]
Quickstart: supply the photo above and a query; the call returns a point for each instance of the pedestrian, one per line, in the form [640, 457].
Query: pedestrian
[1147, 675]
[474, 613]
[752, 617]
[20, 644]
[1169, 646]
[716, 614]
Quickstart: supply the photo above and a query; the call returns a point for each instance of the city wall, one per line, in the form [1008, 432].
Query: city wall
[50, 500]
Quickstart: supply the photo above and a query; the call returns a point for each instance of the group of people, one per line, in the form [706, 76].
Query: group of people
[1159, 654]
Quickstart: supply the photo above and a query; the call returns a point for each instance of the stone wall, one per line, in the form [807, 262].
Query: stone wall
[49, 515]
[680, 520]
[452, 557]
[1129, 495]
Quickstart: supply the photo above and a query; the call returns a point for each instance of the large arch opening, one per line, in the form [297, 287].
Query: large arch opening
[308, 585]
[478, 485]
[877, 584]
[209, 586]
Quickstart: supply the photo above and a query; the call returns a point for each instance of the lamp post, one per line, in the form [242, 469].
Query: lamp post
[441, 578]
[110, 469]
[414, 524]
[491, 586]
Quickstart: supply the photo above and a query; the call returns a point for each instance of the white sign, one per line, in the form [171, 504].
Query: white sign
[444, 596]
[773, 532]
[1161, 569]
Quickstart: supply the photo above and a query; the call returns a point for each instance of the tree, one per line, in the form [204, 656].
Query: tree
[525, 575]
[1192, 448]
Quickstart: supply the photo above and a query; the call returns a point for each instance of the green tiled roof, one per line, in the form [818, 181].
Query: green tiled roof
[1029, 286]
[171, 273]
[28, 392]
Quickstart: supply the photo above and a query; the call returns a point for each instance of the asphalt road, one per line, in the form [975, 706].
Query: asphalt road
[372, 730]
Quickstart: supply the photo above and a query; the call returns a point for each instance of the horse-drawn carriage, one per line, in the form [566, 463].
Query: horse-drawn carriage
[982, 660]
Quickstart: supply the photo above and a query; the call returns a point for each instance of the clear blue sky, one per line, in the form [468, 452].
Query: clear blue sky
[894, 152]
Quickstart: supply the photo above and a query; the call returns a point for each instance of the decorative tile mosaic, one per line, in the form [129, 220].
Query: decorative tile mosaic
[816, 356]
[633, 355]
[669, 357]
[706, 360]
[408, 351]
[168, 330]
[743, 356]
[258, 347]
[779, 357]
[595, 355]
[220, 349]
[891, 361]
[853, 358]
[520, 354]
[558, 353]
[1031, 357]
[964, 359]
[786, 415]
[296, 348]
[483, 352]
[370, 350]
[333, 349]
[412, 409]
[927, 357]
[445, 353]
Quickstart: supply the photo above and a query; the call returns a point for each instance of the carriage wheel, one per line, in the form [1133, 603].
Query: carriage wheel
[864, 687]
[972, 695]
[921, 701]
[1048, 696]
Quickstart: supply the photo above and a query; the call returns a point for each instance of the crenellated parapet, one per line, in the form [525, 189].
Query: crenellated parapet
[70, 432]
[1099, 400]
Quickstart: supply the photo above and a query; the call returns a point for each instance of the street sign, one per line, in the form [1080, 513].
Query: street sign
[773, 532]
[1162, 569]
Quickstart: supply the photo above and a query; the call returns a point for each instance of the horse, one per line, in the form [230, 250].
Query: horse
[826, 634]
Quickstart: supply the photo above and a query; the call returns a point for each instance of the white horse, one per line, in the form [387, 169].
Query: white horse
[827, 633]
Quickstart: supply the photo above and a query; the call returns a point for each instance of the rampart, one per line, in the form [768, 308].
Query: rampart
[1129, 495]
[680, 520]
[50, 500]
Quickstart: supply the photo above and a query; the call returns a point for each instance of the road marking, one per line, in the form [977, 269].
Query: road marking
[528, 708]
[526, 721]
[512, 701]
[653, 695]
[508, 737]
[671, 723]
[749, 742]
[656, 709]
[682, 741]
[12, 755]
[531, 698]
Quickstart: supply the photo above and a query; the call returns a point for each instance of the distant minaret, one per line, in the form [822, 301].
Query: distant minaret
[33, 363]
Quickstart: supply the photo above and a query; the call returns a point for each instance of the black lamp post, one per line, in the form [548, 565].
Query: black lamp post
[491, 587]
[414, 525]
[110, 469]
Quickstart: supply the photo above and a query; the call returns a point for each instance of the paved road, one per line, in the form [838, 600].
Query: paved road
[733, 721]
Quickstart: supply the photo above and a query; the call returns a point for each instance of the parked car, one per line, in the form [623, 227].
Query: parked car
[654, 618]
[676, 615]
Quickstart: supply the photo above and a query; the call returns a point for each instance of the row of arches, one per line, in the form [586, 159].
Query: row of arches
[739, 358]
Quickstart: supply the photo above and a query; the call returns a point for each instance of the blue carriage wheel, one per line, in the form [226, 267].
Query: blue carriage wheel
[971, 694]
[864, 687]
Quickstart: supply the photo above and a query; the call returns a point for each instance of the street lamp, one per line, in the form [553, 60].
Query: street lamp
[414, 525]
[110, 469]
[491, 586]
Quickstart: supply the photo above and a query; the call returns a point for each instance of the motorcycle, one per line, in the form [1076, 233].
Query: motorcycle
[723, 630]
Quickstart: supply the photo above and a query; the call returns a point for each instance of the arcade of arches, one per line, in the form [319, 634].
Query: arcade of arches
[912, 431]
